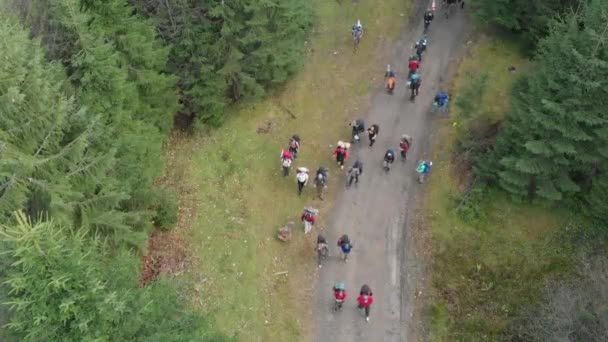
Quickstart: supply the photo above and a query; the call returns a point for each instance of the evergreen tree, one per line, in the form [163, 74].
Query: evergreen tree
[64, 288]
[46, 165]
[530, 18]
[555, 140]
[227, 51]
[115, 67]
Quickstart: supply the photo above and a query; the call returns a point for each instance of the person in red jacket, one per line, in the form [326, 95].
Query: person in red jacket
[413, 65]
[404, 145]
[309, 217]
[341, 153]
[365, 300]
[339, 295]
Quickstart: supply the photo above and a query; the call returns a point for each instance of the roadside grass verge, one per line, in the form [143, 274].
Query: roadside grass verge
[255, 287]
[491, 256]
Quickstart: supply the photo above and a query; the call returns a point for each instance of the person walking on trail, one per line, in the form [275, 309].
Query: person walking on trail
[357, 30]
[424, 169]
[321, 179]
[413, 66]
[389, 158]
[404, 145]
[441, 101]
[341, 153]
[301, 178]
[358, 127]
[354, 172]
[390, 79]
[322, 249]
[339, 295]
[286, 160]
[309, 217]
[428, 17]
[415, 84]
[372, 134]
[365, 300]
[345, 246]
[420, 48]
[294, 145]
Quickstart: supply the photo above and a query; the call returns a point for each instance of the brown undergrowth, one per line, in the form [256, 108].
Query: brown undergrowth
[168, 252]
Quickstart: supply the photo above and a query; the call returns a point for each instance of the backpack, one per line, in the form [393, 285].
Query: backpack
[307, 215]
[343, 240]
[302, 177]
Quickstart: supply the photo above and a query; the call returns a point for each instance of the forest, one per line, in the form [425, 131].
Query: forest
[90, 92]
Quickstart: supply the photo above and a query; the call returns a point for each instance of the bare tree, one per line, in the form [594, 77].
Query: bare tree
[573, 311]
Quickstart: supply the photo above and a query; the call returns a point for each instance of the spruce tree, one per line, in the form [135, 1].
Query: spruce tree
[556, 136]
[46, 164]
[229, 51]
[529, 18]
[63, 287]
[117, 77]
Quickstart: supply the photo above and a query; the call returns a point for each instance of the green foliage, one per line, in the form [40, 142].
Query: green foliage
[116, 67]
[529, 18]
[554, 141]
[166, 210]
[63, 287]
[228, 51]
[47, 165]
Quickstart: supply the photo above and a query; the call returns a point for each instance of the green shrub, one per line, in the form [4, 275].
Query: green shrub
[167, 209]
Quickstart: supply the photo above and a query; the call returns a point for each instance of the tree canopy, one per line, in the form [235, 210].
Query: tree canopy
[554, 141]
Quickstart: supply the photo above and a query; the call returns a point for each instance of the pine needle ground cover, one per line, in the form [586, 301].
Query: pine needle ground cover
[491, 256]
[255, 286]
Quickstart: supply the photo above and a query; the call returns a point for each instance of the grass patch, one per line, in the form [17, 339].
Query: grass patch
[492, 257]
[241, 197]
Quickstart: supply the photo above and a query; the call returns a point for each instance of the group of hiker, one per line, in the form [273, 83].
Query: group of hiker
[341, 154]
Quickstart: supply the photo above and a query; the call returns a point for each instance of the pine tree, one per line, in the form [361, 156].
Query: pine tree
[229, 51]
[46, 165]
[116, 68]
[530, 18]
[118, 78]
[63, 287]
[556, 135]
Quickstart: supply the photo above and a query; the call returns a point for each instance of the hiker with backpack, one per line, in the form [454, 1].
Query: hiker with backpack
[372, 134]
[308, 218]
[286, 160]
[415, 83]
[294, 145]
[341, 153]
[345, 246]
[404, 145]
[354, 172]
[301, 178]
[365, 300]
[321, 178]
[358, 127]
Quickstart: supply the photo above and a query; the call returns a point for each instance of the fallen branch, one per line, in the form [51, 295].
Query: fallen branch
[466, 195]
[279, 273]
[292, 114]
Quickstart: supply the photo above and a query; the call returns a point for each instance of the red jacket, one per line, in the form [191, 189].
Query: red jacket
[340, 295]
[311, 218]
[343, 150]
[414, 65]
[404, 146]
[365, 303]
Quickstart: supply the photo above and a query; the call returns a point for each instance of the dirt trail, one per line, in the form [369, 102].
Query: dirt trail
[375, 213]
